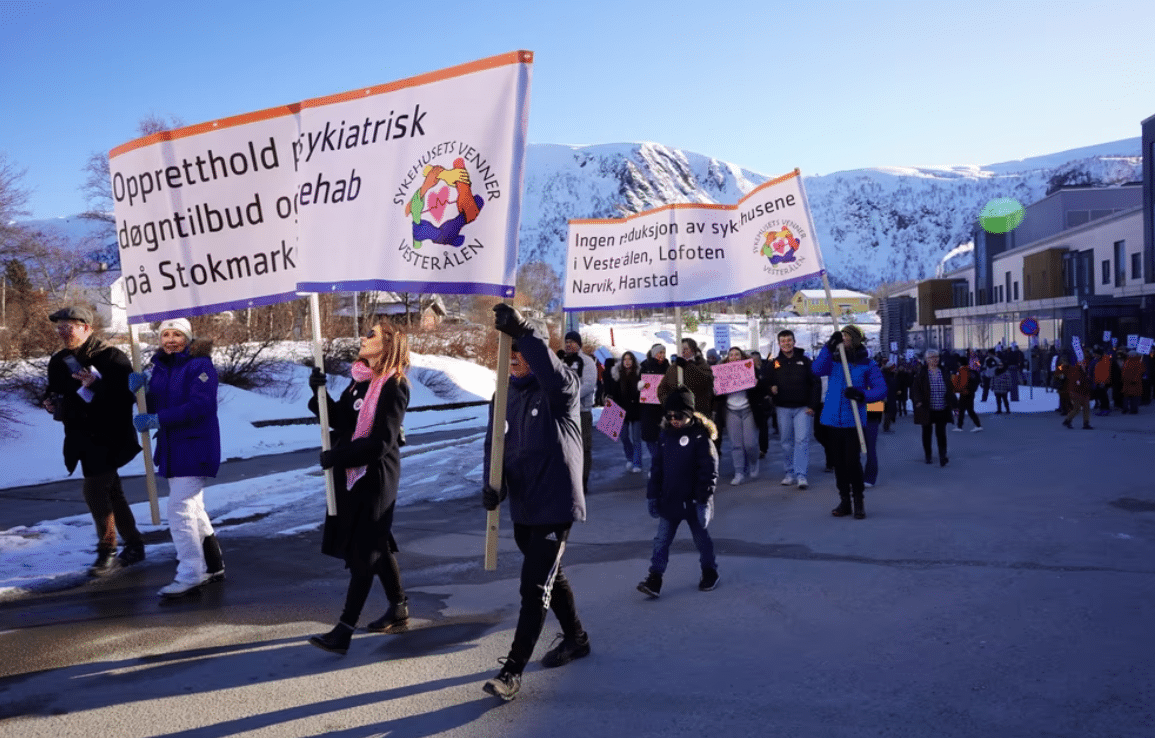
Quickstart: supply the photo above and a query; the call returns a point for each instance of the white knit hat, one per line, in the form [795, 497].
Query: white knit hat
[176, 324]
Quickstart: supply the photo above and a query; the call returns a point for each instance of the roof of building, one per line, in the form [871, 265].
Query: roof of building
[814, 294]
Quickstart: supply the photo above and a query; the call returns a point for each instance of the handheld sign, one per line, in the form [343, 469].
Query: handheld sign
[722, 337]
[734, 376]
[611, 420]
[650, 388]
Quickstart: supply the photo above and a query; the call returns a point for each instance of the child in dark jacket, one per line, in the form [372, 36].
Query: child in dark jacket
[681, 487]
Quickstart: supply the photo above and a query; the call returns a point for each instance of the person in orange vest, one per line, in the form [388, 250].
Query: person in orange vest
[1101, 378]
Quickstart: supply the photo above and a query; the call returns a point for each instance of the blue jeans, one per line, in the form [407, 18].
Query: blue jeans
[632, 441]
[794, 425]
[665, 536]
[870, 433]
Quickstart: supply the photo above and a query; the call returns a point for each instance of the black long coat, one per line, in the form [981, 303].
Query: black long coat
[362, 528]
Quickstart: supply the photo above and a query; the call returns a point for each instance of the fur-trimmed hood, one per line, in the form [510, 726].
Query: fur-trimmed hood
[708, 424]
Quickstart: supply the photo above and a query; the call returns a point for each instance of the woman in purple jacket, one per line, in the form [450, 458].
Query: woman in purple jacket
[182, 409]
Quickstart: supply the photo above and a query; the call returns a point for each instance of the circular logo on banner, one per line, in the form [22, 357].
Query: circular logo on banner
[1029, 327]
[779, 241]
[442, 196]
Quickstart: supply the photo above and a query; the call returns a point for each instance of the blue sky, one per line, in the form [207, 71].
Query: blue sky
[819, 85]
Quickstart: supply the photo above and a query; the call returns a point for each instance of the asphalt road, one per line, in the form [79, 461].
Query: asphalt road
[1009, 594]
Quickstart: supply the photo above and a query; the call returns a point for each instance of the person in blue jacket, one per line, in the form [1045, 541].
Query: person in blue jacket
[542, 476]
[867, 385]
[182, 410]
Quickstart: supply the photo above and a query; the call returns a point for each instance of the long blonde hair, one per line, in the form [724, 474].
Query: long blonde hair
[395, 356]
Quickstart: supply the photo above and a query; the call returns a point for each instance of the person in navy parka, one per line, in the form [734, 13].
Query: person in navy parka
[182, 409]
[867, 385]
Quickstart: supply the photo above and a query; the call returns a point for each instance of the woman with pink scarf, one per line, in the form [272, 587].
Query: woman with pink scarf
[366, 463]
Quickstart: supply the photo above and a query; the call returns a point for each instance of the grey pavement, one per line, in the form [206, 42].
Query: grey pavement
[1010, 594]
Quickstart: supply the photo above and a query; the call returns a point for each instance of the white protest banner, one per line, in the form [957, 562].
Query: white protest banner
[893, 346]
[1143, 345]
[610, 422]
[910, 354]
[438, 197]
[650, 388]
[1106, 335]
[1077, 348]
[733, 376]
[721, 338]
[1132, 340]
[319, 195]
[684, 254]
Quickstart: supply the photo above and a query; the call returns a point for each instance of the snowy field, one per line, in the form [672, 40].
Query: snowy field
[56, 553]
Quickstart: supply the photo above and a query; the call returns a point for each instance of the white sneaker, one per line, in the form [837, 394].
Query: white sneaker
[867, 484]
[629, 466]
[637, 469]
[176, 588]
[802, 483]
[788, 480]
[737, 479]
[754, 470]
[977, 429]
[956, 429]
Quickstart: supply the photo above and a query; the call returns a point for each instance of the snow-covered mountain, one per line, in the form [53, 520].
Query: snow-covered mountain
[874, 225]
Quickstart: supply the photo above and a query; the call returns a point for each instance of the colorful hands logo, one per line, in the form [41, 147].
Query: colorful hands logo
[437, 217]
[780, 246]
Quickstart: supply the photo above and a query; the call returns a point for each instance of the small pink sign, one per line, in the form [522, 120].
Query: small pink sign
[610, 423]
[650, 388]
[733, 376]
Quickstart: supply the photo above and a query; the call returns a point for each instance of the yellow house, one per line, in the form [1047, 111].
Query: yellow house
[813, 302]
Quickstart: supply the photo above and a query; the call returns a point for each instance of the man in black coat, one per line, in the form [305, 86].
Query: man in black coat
[542, 475]
[88, 392]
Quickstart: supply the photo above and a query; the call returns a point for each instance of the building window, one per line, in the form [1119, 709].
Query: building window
[1120, 263]
[1136, 266]
[1016, 291]
[1106, 271]
[1007, 278]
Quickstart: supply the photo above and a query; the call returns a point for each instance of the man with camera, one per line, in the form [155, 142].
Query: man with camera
[88, 392]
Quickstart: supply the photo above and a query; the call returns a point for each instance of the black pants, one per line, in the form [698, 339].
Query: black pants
[543, 587]
[966, 406]
[587, 420]
[938, 420]
[361, 575]
[843, 449]
[110, 511]
[985, 381]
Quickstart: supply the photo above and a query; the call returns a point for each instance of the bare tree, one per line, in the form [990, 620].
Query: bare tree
[539, 286]
[97, 187]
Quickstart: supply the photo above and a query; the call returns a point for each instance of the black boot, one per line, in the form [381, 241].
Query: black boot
[843, 508]
[395, 619]
[859, 509]
[335, 641]
[214, 561]
[132, 553]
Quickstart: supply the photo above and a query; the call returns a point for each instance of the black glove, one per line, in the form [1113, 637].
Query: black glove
[510, 322]
[316, 379]
[833, 341]
[491, 498]
[326, 459]
[853, 393]
[680, 361]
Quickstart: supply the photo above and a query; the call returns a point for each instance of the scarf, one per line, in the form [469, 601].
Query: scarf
[366, 415]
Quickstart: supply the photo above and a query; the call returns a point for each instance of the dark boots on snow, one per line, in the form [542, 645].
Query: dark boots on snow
[335, 641]
[395, 619]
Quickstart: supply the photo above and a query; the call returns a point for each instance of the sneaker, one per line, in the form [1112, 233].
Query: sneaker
[106, 563]
[977, 429]
[755, 470]
[637, 470]
[802, 483]
[132, 554]
[395, 619]
[738, 479]
[652, 586]
[788, 480]
[629, 466]
[180, 589]
[709, 580]
[505, 685]
[957, 430]
[566, 651]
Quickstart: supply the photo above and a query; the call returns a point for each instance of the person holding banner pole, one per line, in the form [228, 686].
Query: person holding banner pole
[181, 407]
[542, 476]
[844, 411]
[366, 460]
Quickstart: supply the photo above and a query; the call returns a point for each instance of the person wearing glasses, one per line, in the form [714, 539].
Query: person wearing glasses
[683, 477]
[366, 462]
[934, 404]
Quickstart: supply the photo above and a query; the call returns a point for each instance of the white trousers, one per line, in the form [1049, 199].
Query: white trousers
[189, 524]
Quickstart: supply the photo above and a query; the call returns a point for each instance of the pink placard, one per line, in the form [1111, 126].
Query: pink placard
[610, 423]
[733, 376]
[650, 388]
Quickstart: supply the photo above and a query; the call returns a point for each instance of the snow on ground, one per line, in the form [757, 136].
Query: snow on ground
[56, 553]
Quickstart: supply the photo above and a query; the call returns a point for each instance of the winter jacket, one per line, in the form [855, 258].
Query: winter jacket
[920, 395]
[97, 434]
[1075, 380]
[542, 465]
[1004, 381]
[965, 382]
[685, 468]
[864, 374]
[626, 393]
[587, 373]
[1133, 376]
[650, 413]
[182, 392]
[362, 529]
[797, 384]
[696, 375]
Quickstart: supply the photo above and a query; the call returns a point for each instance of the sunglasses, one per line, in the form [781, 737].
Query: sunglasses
[676, 416]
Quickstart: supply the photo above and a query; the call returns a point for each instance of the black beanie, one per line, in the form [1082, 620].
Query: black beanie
[575, 337]
[680, 400]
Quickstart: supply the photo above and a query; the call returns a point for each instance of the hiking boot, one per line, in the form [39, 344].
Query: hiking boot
[802, 483]
[395, 619]
[652, 586]
[335, 641]
[709, 580]
[106, 563]
[842, 510]
[506, 684]
[131, 554]
[859, 509]
[214, 561]
[566, 651]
